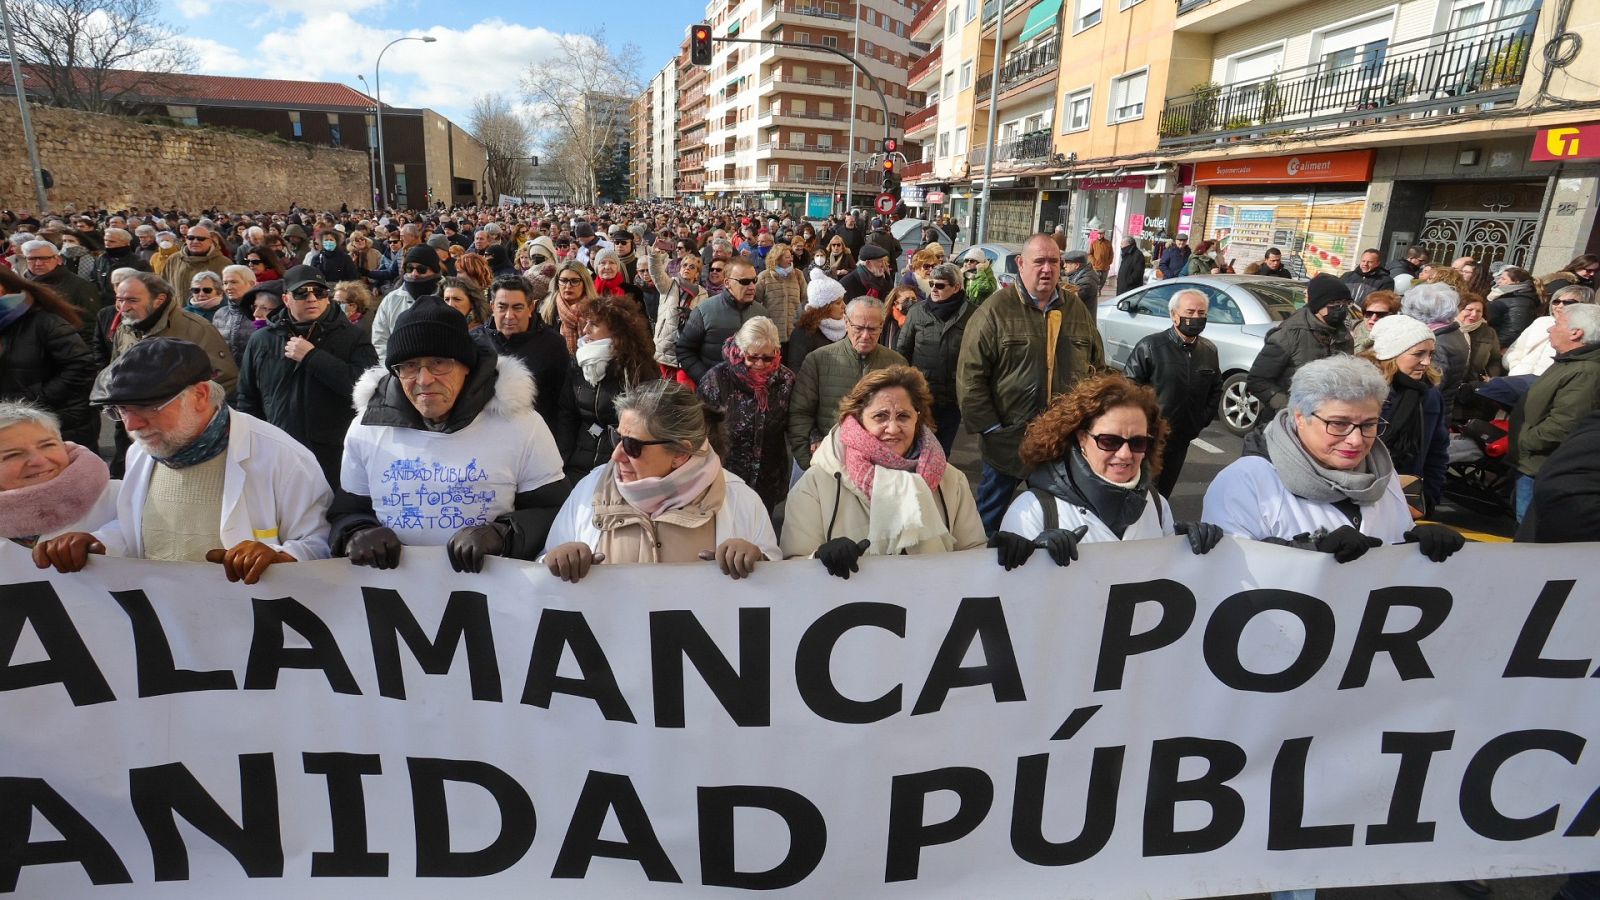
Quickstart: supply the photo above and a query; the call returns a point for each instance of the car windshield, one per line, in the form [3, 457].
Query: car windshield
[1279, 300]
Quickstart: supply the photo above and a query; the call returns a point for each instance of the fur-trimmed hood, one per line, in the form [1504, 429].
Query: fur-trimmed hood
[499, 386]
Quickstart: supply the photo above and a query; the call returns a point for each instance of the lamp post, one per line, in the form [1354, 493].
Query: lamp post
[377, 82]
[372, 156]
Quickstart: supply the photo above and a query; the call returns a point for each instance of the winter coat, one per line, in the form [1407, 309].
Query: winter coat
[543, 350]
[825, 504]
[934, 346]
[1531, 354]
[173, 321]
[1130, 269]
[45, 362]
[784, 298]
[1174, 261]
[803, 343]
[493, 462]
[1432, 458]
[709, 325]
[1363, 283]
[586, 418]
[861, 283]
[309, 399]
[335, 266]
[1000, 377]
[1451, 355]
[236, 325]
[83, 295]
[1485, 356]
[1566, 496]
[1512, 311]
[182, 267]
[1187, 379]
[827, 375]
[1100, 256]
[981, 285]
[1200, 264]
[887, 241]
[1565, 393]
[757, 448]
[1248, 499]
[272, 492]
[1297, 340]
[672, 311]
[1025, 518]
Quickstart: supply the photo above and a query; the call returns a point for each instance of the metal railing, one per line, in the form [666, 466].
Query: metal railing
[916, 169]
[802, 8]
[1444, 72]
[770, 147]
[918, 118]
[921, 67]
[930, 8]
[831, 83]
[1022, 67]
[1034, 145]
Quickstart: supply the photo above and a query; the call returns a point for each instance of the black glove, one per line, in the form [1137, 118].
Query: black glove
[470, 546]
[840, 554]
[1344, 542]
[377, 547]
[1202, 535]
[1061, 544]
[1437, 541]
[1014, 549]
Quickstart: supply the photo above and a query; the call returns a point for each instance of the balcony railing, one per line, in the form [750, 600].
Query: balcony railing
[930, 8]
[816, 80]
[921, 66]
[916, 169]
[1035, 145]
[921, 117]
[796, 148]
[1438, 74]
[1022, 68]
[793, 114]
[791, 179]
[803, 8]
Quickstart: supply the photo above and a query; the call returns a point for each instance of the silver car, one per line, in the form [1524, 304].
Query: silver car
[1243, 309]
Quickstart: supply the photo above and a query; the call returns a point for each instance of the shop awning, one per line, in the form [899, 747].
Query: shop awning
[1043, 15]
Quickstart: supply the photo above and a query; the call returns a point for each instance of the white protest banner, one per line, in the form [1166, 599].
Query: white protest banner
[1144, 723]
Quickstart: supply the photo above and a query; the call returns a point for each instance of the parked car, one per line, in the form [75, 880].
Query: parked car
[1243, 309]
[1003, 260]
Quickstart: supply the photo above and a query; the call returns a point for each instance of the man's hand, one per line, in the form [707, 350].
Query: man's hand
[377, 547]
[470, 546]
[571, 561]
[68, 552]
[736, 557]
[298, 348]
[247, 560]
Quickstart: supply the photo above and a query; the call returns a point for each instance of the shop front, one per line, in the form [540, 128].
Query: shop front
[1146, 204]
[1309, 206]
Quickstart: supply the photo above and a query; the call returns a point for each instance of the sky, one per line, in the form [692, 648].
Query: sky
[482, 46]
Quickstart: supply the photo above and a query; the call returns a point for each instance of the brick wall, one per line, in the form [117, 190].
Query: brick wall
[120, 163]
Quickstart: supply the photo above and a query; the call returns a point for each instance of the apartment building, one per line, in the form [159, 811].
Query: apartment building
[654, 116]
[689, 184]
[639, 118]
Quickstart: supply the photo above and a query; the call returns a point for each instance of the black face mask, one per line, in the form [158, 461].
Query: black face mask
[1337, 316]
[419, 285]
[1191, 327]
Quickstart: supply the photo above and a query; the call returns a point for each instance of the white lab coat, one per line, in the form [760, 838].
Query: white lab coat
[1025, 518]
[272, 491]
[1248, 499]
[742, 516]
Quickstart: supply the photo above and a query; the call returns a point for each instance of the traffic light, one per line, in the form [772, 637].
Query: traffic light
[700, 45]
[891, 178]
[890, 145]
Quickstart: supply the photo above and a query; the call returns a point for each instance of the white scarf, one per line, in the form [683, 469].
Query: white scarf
[832, 329]
[903, 513]
[593, 357]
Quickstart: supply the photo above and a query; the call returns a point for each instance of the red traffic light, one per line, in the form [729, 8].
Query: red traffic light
[890, 145]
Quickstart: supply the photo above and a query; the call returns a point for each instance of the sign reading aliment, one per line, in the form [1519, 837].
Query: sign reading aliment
[1302, 168]
[1144, 723]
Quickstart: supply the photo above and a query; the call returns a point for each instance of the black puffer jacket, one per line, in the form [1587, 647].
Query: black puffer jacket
[544, 351]
[309, 399]
[1513, 311]
[587, 420]
[933, 346]
[1187, 379]
[43, 360]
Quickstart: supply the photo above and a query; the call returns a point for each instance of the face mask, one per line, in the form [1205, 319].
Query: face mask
[1191, 327]
[166, 245]
[763, 251]
[783, 271]
[1337, 316]
[330, 246]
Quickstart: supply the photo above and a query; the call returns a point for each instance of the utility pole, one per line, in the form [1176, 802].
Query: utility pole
[22, 109]
[994, 109]
[850, 151]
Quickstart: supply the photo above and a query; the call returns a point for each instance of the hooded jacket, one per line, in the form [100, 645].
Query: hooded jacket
[1297, 340]
[308, 399]
[491, 461]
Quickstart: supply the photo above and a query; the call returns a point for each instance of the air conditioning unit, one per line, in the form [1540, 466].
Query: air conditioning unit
[1159, 184]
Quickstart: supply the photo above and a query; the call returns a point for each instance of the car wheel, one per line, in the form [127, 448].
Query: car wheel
[1239, 409]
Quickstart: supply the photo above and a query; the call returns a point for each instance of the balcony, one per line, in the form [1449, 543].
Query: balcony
[1469, 69]
[810, 84]
[915, 170]
[921, 118]
[770, 148]
[816, 10]
[927, 65]
[930, 12]
[1029, 148]
[791, 113]
[1021, 68]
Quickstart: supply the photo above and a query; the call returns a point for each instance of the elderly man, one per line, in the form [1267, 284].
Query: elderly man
[1565, 393]
[203, 483]
[1077, 272]
[514, 330]
[446, 448]
[829, 373]
[1184, 369]
[148, 245]
[46, 267]
[714, 320]
[1174, 261]
[1026, 344]
[872, 276]
[146, 309]
[298, 371]
[202, 252]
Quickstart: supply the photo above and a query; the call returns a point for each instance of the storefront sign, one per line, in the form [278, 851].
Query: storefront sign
[936, 197]
[1567, 142]
[1136, 182]
[1304, 168]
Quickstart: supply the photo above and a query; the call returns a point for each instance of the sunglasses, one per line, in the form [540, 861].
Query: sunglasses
[1376, 314]
[392, 241]
[758, 358]
[1111, 443]
[193, 239]
[1563, 302]
[204, 290]
[938, 285]
[538, 260]
[635, 447]
[744, 281]
[310, 290]
[417, 269]
[256, 262]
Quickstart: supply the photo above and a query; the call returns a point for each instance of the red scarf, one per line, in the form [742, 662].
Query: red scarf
[608, 287]
[757, 382]
[863, 453]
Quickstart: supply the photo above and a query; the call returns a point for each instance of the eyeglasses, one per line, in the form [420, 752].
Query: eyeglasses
[34, 259]
[758, 358]
[1341, 428]
[1111, 443]
[119, 413]
[744, 281]
[203, 290]
[417, 269]
[310, 290]
[569, 282]
[635, 447]
[938, 285]
[1376, 313]
[437, 366]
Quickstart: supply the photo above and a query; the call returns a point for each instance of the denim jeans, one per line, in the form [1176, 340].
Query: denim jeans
[994, 497]
[1524, 496]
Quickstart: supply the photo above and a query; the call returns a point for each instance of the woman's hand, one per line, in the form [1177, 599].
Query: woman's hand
[1438, 542]
[1011, 550]
[572, 561]
[1202, 535]
[377, 547]
[840, 556]
[1345, 543]
[736, 557]
[1061, 544]
[68, 552]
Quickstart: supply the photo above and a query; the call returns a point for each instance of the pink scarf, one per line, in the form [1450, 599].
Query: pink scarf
[49, 507]
[756, 381]
[863, 453]
[676, 489]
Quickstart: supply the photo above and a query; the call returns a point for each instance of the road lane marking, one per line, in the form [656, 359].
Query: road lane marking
[1209, 448]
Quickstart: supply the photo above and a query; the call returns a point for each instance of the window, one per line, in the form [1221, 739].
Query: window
[961, 141]
[1076, 110]
[1125, 4]
[949, 84]
[1034, 123]
[1127, 97]
[823, 172]
[1087, 15]
[944, 144]
[825, 140]
[966, 74]
[1354, 51]
[972, 10]
[802, 37]
[829, 40]
[950, 29]
[295, 126]
[797, 173]
[871, 48]
[335, 138]
[1154, 301]
[831, 8]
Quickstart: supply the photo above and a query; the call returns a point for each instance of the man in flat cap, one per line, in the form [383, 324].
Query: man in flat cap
[1078, 274]
[446, 449]
[871, 277]
[203, 483]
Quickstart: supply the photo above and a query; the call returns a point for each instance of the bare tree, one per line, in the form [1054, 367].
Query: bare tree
[96, 54]
[582, 93]
[506, 137]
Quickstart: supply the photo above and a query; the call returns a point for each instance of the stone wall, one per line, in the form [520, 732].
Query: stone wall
[120, 163]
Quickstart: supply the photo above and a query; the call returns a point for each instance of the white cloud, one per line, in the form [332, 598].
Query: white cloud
[209, 57]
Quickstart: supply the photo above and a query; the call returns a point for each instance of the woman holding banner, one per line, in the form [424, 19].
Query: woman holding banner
[879, 483]
[1094, 455]
[1326, 483]
[48, 486]
[664, 496]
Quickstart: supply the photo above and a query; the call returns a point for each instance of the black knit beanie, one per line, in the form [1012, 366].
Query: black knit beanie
[431, 328]
[424, 255]
[1325, 289]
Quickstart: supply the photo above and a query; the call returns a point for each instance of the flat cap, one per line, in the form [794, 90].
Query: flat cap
[1077, 256]
[873, 251]
[151, 372]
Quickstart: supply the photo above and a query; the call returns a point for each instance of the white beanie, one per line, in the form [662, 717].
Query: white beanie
[1394, 335]
[823, 290]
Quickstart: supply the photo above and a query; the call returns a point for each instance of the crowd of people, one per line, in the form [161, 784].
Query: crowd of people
[656, 383]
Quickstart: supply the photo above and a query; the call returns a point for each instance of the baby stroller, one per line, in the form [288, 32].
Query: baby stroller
[1480, 477]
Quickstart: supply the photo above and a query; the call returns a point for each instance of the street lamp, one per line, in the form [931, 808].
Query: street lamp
[377, 81]
[372, 156]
